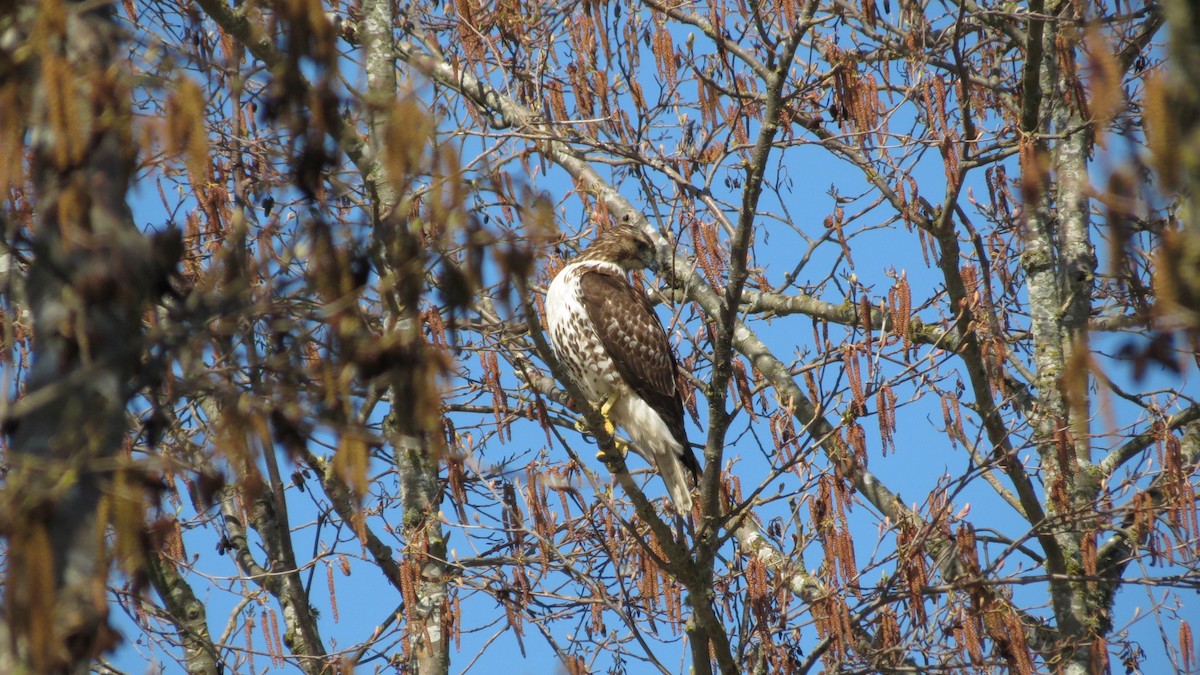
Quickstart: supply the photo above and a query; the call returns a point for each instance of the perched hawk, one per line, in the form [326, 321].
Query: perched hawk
[608, 338]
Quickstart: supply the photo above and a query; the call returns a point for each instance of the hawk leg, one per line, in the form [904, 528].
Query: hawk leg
[609, 428]
[605, 410]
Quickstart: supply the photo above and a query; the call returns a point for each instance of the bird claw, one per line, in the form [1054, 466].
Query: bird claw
[610, 428]
[582, 427]
[605, 410]
[621, 448]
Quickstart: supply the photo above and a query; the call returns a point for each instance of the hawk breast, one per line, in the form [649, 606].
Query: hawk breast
[575, 338]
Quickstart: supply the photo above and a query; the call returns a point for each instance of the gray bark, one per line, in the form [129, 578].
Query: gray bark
[417, 466]
[1059, 261]
[189, 614]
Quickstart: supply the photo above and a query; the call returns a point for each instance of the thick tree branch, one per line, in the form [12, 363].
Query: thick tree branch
[1136, 445]
[200, 654]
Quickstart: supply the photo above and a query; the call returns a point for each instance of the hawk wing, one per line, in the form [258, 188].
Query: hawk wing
[637, 344]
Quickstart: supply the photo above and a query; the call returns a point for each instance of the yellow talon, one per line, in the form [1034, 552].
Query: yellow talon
[619, 446]
[582, 427]
[609, 428]
[608, 404]
[605, 410]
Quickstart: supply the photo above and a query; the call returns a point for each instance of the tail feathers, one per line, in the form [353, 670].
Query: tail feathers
[679, 480]
[688, 459]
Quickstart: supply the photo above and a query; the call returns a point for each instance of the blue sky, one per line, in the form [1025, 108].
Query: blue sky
[923, 458]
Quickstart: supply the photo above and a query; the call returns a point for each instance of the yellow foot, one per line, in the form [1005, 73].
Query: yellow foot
[605, 408]
[604, 412]
[621, 448]
[582, 427]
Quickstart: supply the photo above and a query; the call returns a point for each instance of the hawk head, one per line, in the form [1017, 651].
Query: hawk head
[626, 246]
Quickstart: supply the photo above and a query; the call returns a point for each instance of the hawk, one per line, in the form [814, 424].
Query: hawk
[610, 341]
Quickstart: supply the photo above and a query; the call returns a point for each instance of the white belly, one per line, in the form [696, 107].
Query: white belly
[575, 342]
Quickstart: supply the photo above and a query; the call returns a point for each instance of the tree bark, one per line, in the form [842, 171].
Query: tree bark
[189, 614]
[1059, 262]
[428, 650]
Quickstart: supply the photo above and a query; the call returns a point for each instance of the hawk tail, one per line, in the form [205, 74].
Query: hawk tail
[688, 459]
[680, 476]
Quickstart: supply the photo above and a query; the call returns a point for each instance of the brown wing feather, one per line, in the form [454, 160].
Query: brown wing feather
[635, 340]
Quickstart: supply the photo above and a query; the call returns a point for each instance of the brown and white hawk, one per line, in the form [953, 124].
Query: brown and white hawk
[610, 341]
